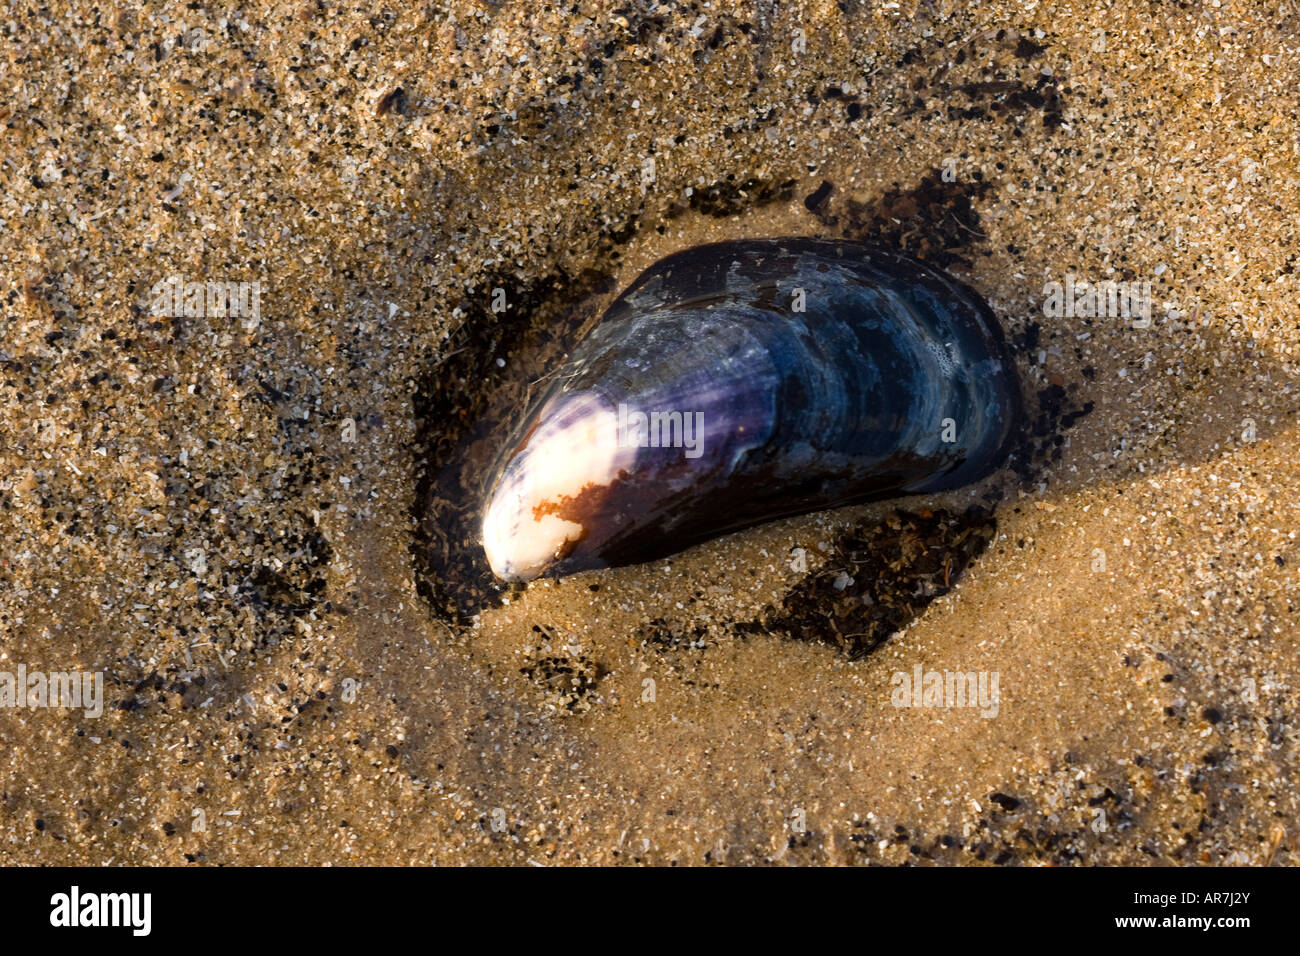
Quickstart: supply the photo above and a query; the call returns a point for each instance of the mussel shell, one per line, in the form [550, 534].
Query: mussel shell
[893, 379]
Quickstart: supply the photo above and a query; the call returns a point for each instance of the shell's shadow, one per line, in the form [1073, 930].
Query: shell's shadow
[880, 576]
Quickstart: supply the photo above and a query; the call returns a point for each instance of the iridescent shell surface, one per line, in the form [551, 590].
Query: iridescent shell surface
[738, 382]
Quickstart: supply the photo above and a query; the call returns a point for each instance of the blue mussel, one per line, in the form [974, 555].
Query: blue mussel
[737, 382]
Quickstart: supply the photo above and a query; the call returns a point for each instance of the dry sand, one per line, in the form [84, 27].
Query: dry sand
[182, 508]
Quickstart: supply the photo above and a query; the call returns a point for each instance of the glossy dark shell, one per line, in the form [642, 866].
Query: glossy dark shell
[893, 380]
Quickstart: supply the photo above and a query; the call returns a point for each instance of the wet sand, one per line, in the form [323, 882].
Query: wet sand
[223, 516]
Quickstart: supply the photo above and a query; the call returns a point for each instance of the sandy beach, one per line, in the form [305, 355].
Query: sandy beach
[254, 520]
